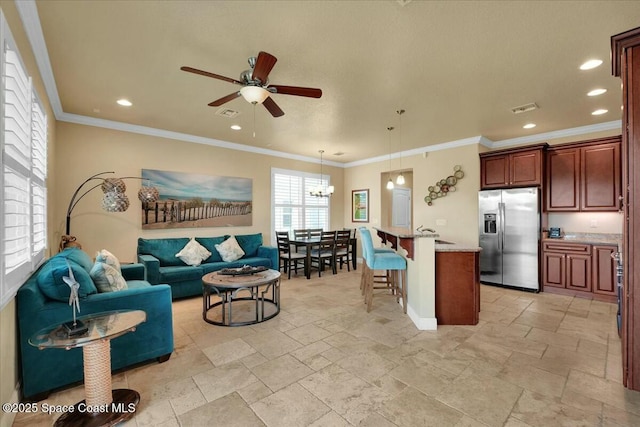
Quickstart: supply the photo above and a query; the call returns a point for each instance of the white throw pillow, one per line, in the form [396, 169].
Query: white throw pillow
[230, 250]
[193, 253]
[108, 258]
[107, 278]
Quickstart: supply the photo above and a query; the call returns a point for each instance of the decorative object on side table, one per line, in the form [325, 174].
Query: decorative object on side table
[242, 271]
[444, 186]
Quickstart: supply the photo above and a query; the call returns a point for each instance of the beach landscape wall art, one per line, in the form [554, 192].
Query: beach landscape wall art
[192, 200]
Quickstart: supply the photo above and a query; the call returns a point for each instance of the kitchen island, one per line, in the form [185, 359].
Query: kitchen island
[443, 278]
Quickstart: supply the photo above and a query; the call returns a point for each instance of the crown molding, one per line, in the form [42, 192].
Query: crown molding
[544, 137]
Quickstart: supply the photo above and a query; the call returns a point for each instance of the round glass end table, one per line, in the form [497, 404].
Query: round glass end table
[102, 405]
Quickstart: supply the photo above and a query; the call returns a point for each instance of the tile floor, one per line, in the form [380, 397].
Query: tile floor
[533, 360]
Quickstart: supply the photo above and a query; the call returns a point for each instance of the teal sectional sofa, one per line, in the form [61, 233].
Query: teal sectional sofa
[162, 265]
[42, 302]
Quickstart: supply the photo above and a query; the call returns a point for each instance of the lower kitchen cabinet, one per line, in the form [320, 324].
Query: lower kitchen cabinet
[579, 269]
[604, 268]
[457, 288]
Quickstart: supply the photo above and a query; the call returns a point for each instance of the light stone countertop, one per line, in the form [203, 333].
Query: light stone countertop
[589, 238]
[456, 247]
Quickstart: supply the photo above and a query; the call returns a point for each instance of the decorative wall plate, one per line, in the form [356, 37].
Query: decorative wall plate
[444, 186]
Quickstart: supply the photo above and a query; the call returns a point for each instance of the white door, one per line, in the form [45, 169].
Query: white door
[401, 208]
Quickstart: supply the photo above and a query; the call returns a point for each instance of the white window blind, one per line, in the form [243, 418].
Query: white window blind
[293, 206]
[24, 172]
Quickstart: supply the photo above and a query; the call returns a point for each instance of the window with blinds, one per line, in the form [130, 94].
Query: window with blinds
[24, 172]
[292, 205]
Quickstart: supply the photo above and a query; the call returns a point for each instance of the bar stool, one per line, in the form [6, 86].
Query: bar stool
[395, 266]
[380, 278]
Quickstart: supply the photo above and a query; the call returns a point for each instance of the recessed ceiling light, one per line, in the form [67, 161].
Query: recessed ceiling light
[529, 126]
[592, 63]
[599, 112]
[596, 92]
[124, 102]
[236, 127]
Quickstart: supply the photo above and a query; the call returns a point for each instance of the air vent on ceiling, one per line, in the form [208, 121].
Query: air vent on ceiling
[227, 112]
[339, 153]
[524, 108]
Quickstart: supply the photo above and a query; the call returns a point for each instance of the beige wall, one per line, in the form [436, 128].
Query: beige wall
[459, 210]
[8, 331]
[86, 150]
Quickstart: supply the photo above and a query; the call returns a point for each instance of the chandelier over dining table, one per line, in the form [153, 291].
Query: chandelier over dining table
[320, 190]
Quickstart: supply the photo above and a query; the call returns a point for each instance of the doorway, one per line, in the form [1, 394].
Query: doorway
[401, 208]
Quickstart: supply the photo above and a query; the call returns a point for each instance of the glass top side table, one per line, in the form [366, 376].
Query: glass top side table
[102, 405]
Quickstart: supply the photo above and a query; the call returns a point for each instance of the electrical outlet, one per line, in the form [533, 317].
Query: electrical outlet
[441, 222]
[594, 223]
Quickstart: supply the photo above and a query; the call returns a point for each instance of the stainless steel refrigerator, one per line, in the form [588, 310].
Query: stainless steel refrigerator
[509, 237]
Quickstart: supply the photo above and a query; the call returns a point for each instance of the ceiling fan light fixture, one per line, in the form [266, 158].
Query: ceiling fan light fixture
[254, 94]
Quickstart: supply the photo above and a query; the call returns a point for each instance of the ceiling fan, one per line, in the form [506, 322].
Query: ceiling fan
[255, 85]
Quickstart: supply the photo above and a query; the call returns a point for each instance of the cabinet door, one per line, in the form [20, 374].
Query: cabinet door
[600, 177]
[526, 168]
[563, 173]
[579, 272]
[494, 171]
[604, 269]
[553, 269]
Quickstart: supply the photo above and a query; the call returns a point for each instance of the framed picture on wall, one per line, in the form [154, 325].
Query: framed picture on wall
[360, 205]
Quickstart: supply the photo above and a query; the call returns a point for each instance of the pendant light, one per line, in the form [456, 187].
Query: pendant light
[390, 182]
[320, 190]
[400, 179]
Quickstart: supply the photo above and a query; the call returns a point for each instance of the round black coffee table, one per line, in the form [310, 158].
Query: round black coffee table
[241, 300]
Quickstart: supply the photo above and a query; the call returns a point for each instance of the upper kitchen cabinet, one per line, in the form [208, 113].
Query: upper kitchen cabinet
[512, 168]
[584, 176]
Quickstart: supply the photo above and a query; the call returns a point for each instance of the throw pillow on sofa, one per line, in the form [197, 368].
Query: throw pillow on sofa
[107, 278]
[250, 243]
[78, 256]
[210, 244]
[108, 258]
[230, 250]
[193, 253]
[51, 283]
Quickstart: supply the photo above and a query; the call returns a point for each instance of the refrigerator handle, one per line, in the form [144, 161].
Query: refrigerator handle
[502, 213]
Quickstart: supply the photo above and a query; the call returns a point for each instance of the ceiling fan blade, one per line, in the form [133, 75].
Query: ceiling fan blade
[264, 65]
[272, 107]
[208, 74]
[224, 99]
[298, 91]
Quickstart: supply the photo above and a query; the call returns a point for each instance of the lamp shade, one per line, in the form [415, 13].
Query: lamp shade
[254, 94]
[113, 184]
[114, 201]
[148, 194]
[390, 184]
[400, 179]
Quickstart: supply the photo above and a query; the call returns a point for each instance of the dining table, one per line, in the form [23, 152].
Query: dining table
[309, 242]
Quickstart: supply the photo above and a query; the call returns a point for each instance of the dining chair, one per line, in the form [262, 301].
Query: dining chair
[343, 251]
[302, 233]
[288, 259]
[395, 267]
[324, 253]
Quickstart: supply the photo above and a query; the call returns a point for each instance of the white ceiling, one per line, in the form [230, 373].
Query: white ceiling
[457, 68]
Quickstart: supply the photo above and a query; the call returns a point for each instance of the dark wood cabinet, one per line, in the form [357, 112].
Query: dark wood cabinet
[579, 272]
[566, 265]
[553, 269]
[584, 176]
[579, 269]
[600, 177]
[604, 266]
[457, 288]
[563, 175]
[512, 168]
[625, 63]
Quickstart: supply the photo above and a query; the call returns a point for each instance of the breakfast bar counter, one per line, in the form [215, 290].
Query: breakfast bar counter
[443, 278]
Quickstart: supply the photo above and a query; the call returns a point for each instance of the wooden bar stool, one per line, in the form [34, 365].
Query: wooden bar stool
[395, 266]
[380, 278]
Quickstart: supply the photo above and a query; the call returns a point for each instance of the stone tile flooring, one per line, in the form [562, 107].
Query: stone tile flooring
[533, 360]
